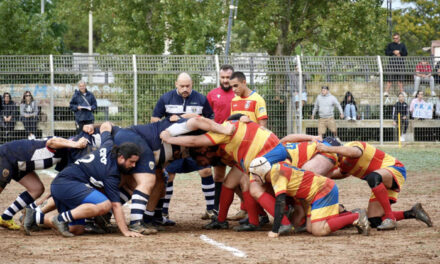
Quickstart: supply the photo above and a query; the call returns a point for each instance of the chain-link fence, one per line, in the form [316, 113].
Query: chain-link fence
[127, 87]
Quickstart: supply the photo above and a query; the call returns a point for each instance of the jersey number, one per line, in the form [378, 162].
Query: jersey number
[89, 158]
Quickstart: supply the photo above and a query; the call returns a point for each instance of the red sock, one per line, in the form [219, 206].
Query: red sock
[260, 210]
[339, 222]
[345, 213]
[251, 207]
[226, 198]
[242, 207]
[381, 194]
[398, 215]
[268, 202]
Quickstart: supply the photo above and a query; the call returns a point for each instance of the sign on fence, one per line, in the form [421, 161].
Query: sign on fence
[423, 110]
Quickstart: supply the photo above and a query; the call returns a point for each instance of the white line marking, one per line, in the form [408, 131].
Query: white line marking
[50, 173]
[235, 252]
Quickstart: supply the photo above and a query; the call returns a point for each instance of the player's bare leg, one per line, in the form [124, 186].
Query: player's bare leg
[156, 194]
[319, 164]
[209, 125]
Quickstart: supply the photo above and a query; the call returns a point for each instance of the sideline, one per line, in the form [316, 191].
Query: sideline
[234, 251]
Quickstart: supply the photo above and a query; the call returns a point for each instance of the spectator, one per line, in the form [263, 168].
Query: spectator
[397, 50]
[29, 114]
[7, 121]
[423, 73]
[325, 103]
[349, 106]
[437, 108]
[83, 103]
[295, 80]
[401, 107]
[417, 100]
[437, 72]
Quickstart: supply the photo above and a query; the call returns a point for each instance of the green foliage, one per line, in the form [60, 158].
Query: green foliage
[418, 25]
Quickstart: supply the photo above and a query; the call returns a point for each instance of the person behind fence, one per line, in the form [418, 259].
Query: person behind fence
[29, 114]
[417, 102]
[8, 115]
[83, 103]
[423, 74]
[295, 80]
[325, 103]
[401, 107]
[437, 108]
[437, 72]
[349, 106]
[396, 64]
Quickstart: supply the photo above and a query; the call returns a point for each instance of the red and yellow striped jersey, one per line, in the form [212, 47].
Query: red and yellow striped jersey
[298, 183]
[249, 141]
[372, 159]
[253, 106]
[301, 152]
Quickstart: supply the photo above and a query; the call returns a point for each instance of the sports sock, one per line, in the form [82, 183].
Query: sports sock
[167, 199]
[408, 214]
[251, 207]
[39, 218]
[148, 216]
[400, 215]
[218, 190]
[268, 202]
[158, 210]
[33, 205]
[66, 217]
[381, 193]
[226, 198]
[138, 206]
[21, 202]
[208, 188]
[242, 206]
[124, 195]
[339, 222]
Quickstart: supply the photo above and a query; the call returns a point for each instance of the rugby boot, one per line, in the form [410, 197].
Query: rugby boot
[151, 225]
[246, 228]
[285, 230]
[362, 225]
[387, 224]
[300, 229]
[93, 228]
[421, 215]
[238, 216]
[263, 220]
[215, 224]
[209, 214]
[28, 220]
[139, 228]
[164, 221]
[103, 222]
[9, 224]
[61, 227]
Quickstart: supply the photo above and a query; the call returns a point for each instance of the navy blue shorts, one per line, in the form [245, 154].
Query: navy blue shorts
[146, 163]
[8, 172]
[186, 165]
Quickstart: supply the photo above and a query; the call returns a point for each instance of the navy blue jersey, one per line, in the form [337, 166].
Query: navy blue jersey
[29, 155]
[99, 169]
[171, 103]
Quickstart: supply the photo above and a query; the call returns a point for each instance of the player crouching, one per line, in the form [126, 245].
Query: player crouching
[319, 192]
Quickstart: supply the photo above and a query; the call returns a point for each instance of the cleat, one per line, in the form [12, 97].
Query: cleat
[285, 230]
[246, 228]
[209, 214]
[300, 229]
[362, 224]
[154, 226]
[387, 224]
[215, 224]
[262, 219]
[103, 222]
[61, 227]
[238, 216]
[164, 221]
[421, 215]
[91, 227]
[9, 224]
[139, 228]
[28, 220]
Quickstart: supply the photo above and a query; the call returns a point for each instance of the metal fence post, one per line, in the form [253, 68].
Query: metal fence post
[379, 64]
[52, 107]
[135, 86]
[300, 83]
[290, 107]
[251, 69]
[217, 69]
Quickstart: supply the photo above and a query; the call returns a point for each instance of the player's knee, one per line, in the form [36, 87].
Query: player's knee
[77, 230]
[104, 207]
[36, 191]
[373, 179]
[256, 190]
[205, 172]
[322, 230]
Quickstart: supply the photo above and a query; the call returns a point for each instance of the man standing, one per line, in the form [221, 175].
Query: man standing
[83, 103]
[186, 103]
[325, 103]
[397, 50]
[220, 100]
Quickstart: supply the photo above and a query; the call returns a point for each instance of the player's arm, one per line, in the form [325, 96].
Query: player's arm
[300, 138]
[186, 141]
[337, 175]
[351, 152]
[120, 221]
[58, 143]
[158, 111]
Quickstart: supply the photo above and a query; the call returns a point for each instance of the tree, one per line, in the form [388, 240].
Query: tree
[418, 25]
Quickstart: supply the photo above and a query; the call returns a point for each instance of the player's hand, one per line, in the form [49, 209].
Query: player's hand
[164, 135]
[174, 118]
[105, 127]
[82, 142]
[88, 129]
[245, 119]
[320, 147]
[317, 138]
[272, 234]
[132, 234]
